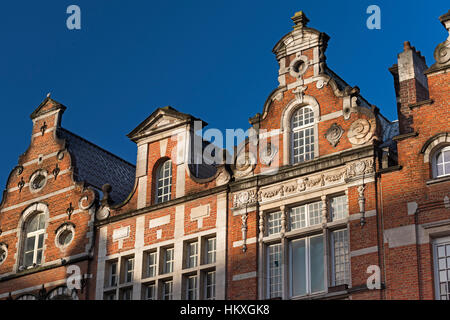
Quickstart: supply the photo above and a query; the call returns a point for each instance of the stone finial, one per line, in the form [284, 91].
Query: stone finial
[445, 20]
[442, 51]
[300, 20]
[49, 94]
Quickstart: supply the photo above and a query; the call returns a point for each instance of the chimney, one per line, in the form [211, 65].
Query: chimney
[411, 85]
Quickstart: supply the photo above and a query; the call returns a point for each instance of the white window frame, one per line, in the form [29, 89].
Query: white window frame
[269, 277]
[192, 289]
[274, 223]
[112, 281]
[167, 294]
[435, 164]
[36, 234]
[152, 287]
[309, 127]
[211, 250]
[153, 266]
[333, 258]
[342, 203]
[168, 262]
[163, 180]
[307, 266]
[192, 254]
[436, 243]
[129, 270]
[210, 285]
[307, 217]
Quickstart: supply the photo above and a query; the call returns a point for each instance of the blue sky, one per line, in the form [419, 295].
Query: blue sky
[212, 59]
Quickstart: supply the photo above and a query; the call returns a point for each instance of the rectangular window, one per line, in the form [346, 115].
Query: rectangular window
[306, 215]
[211, 250]
[340, 257]
[168, 260]
[274, 223]
[167, 290]
[192, 254]
[338, 208]
[129, 270]
[152, 260]
[210, 284]
[113, 274]
[307, 266]
[274, 269]
[442, 268]
[191, 288]
[150, 292]
[127, 294]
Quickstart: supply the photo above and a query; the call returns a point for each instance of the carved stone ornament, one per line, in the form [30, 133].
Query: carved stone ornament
[361, 131]
[223, 177]
[267, 153]
[334, 134]
[298, 186]
[320, 84]
[245, 163]
[102, 213]
[442, 52]
[246, 198]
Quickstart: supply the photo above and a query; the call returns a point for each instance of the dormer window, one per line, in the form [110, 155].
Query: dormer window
[441, 163]
[164, 182]
[302, 130]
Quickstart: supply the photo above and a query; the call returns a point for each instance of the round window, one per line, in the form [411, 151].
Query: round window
[65, 238]
[38, 180]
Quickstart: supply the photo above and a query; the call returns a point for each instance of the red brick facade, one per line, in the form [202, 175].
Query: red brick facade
[325, 199]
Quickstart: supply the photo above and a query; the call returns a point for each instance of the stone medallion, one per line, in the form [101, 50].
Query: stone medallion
[334, 134]
[361, 131]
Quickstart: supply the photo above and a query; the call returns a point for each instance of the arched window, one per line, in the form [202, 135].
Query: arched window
[34, 240]
[164, 182]
[441, 163]
[302, 131]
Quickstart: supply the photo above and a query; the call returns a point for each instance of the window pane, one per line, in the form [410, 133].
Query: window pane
[317, 264]
[39, 257]
[192, 288]
[298, 217]
[274, 259]
[151, 272]
[298, 265]
[167, 290]
[164, 182]
[41, 241]
[192, 254]
[315, 213]
[302, 139]
[30, 244]
[168, 260]
[339, 208]
[28, 259]
[211, 285]
[211, 251]
[442, 270]
[341, 262]
[151, 292]
[274, 223]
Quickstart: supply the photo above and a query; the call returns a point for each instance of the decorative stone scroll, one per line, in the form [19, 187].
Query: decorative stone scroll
[304, 184]
[334, 134]
[361, 131]
[268, 153]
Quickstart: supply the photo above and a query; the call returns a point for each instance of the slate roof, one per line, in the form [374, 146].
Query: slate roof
[96, 166]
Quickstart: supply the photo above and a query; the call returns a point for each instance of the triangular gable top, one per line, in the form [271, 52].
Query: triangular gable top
[162, 119]
[47, 106]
